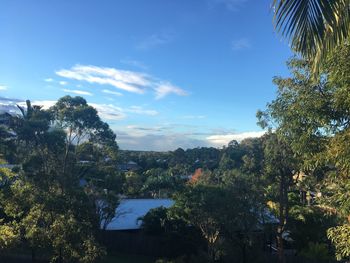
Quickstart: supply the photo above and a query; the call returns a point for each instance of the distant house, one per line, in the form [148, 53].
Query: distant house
[130, 210]
[8, 166]
[186, 177]
[82, 182]
[129, 166]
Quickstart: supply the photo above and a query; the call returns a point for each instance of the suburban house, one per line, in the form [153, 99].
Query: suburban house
[129, 166]
[130, 210]
[123, 234]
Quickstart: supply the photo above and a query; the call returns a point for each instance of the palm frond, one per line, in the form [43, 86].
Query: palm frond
[313, 27]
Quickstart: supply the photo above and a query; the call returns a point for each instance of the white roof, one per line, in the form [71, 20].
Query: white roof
[130, 210]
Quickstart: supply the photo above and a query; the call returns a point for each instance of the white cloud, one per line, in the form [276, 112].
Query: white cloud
[78, 92]
[156, 142]
[111, 112]
[239, 44]
[131, 81]
[9, 105]
[166, 88]
[105, 111]
[154, 40]
[116, 93]
[108, 111]
[140, 110]
[63, 83]
[142, 130]
[3, 87]
[194, 117]
[48, 80]
[224, 139]
[44, 103]
[120, 79]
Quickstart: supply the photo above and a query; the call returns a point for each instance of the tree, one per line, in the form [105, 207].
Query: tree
[198, 206]
[45, 200]
[154, 222]
[226, 212]
[314, 28]
[308, 225]
[160, 183]
[279, 168]
[133, 183]
[243, 210]
[9, 231]
[312, 117]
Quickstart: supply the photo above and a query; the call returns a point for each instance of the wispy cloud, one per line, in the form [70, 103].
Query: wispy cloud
[48, 80]
[142, 111]
[166, 88]
[116, 93]
[231, 5]
[191, 117]
[3, 87]
[134, 63]
[141, 130]
[78, 92]
[131, 81]
[224, 139]
[105, 111]
[109, 112]
[240, 44]
[63, 83]
[121, 79]
[154, 40]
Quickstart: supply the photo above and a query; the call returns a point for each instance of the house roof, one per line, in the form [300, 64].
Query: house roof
[130, 210]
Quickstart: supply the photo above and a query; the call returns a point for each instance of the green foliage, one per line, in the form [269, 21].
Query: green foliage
[316, 251]
[133, 183]
[314, 28]
[9, 235]
[340, 238]
[308, 226]
[154, 221]
[229, 211]
[44, 205]
[311, 116]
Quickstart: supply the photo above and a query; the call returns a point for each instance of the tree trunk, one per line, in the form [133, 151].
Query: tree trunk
[244, 254]
[33, 256]
[283, 211]
[280, 248]
[60, 259]
[211, 252]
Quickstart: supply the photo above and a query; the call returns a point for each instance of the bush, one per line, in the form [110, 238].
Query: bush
[316, 251]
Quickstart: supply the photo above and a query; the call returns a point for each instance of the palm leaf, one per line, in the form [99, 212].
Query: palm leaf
[313, 27]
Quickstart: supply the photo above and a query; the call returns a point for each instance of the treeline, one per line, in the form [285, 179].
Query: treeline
[161, 174]
[187, 161]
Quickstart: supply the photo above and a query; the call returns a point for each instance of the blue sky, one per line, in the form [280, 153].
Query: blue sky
[163, 73]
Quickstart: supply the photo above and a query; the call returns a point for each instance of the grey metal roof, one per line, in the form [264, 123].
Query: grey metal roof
[130, 210]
